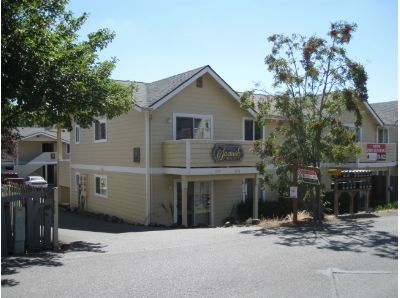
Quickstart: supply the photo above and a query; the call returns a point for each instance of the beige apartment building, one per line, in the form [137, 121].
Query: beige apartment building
[183, 154]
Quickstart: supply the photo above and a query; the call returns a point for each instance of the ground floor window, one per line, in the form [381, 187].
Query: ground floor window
[100, 185]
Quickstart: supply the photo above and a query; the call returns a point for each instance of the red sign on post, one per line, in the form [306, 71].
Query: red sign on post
[308, 176]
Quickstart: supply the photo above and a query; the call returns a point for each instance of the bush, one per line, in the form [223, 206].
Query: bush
[266, 209]
[387, 206]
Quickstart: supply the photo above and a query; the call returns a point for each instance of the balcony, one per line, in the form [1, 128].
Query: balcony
[377, 153]
[195, 153]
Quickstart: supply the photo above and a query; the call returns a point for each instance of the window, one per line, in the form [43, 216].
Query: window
[77, 134]
[77, 181]
[356, 131]
[100, 130]
[199, 82]
[100, 185]
[67, 149]
[252, 131]
[192, 127]
[383, 135]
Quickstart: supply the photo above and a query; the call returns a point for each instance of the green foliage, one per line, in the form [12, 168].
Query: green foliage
[387, 206]
[314, 82]
[266, 209]
[48, 75]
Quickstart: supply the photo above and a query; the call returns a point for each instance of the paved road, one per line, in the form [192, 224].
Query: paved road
[352, 257]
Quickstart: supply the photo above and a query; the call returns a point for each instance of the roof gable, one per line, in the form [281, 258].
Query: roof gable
[153, 95]
[29, 132]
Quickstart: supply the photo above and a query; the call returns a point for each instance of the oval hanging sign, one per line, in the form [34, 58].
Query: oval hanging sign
[227, 152]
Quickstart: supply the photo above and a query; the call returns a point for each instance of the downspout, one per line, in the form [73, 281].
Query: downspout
[147, 125]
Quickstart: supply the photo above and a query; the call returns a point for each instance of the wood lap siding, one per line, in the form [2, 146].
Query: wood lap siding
[209, 100]
[227, 194]
[123, 134]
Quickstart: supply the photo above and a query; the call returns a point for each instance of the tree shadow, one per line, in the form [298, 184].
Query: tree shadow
[12, 265]
[345, 234]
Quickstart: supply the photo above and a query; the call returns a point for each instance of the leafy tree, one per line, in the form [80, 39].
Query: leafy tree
[314, 82]
[49, 76]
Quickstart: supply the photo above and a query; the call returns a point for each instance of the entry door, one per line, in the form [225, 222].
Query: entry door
[198, 204]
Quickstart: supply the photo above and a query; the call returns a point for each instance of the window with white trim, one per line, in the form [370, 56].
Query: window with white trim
[356, 130]
[192, 126]
[77, 180]
[251, 130]
[67, 149]
[100, 185]
[100, 130]
[77, 134]
[383, 135]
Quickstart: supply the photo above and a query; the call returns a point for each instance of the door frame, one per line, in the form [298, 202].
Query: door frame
[176, 181]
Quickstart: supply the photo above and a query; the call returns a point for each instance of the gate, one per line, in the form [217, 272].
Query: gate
[27, 219]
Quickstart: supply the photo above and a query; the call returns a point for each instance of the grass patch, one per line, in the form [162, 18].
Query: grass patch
[387, 206]
[276, 222]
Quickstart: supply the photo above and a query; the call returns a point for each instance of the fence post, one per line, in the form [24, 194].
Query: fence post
[55, 225]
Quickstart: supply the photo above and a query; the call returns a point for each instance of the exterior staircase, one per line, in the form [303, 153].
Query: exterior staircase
[42, 159]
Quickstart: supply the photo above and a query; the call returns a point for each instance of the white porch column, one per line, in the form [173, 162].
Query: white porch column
[184, 185]
[255, 196]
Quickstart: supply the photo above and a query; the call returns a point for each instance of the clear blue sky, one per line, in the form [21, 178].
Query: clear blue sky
[159, 38]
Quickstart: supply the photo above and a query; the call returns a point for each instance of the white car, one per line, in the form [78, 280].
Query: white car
[35, 181]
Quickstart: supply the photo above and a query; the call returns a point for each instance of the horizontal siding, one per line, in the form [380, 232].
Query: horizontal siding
[126, 195]
[162, 189]
[64, 172]
[227, 194]
[174, 154]
[124, 133]
[209, 100]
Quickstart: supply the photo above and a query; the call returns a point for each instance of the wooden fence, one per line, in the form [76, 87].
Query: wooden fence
[29, 219]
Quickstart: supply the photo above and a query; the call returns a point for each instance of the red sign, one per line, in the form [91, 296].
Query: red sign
[308, 176]
[376, 148]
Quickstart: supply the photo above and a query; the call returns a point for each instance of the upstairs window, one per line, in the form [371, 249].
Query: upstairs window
[77, 134]
[356, 130]
[383, 135]
[192, 127]
[100, 130]
[252, 131]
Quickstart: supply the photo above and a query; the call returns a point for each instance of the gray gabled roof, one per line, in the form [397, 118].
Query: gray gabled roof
[148, 94]
[387, 111]
[152, 95]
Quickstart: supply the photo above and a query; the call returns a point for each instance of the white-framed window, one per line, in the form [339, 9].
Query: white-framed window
[356, 130]
[67, 149]
[77, 134]
[251, 130]
[383, 135]
[100, 185]
[190, 126]
[100, 130]
[77, 180]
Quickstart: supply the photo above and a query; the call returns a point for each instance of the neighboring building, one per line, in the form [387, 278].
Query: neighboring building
[379, 148]
[181, 155]
[36, 154]
[387, 134]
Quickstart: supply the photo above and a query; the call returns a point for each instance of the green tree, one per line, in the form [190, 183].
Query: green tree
[314, 82]
[48, 75]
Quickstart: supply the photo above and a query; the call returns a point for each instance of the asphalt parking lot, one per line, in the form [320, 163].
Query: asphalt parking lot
[351, 257]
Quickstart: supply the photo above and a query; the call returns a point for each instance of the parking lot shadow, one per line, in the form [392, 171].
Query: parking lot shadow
[345, 234]
[98, 223]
